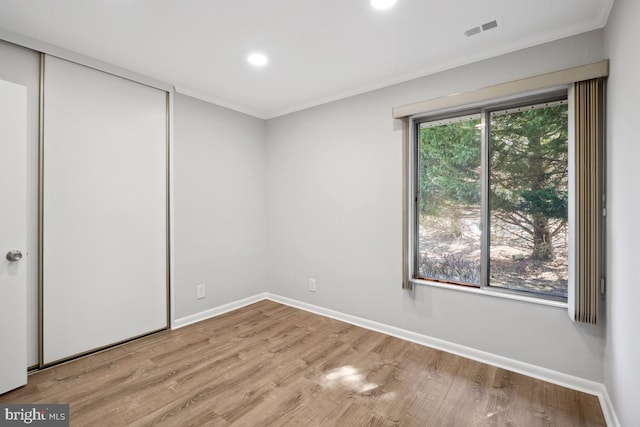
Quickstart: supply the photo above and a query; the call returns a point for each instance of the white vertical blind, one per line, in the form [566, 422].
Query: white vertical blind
[104, 210]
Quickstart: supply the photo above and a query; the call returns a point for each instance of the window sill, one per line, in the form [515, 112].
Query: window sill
[493, 293]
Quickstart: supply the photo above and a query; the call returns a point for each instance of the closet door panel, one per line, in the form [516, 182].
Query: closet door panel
[104, 210]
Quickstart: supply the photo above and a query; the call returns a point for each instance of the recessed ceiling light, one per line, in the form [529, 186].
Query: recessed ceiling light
[382, 4]
[257, 59]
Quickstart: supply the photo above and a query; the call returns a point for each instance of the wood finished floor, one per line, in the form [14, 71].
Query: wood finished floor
[270, 364]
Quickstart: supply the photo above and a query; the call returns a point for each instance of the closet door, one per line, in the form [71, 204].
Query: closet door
[104, 210]
[13, 236]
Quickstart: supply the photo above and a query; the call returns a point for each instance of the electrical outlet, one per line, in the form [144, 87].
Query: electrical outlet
[200, 291]
[312, 285]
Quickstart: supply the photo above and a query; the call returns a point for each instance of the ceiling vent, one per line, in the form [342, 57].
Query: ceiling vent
[489, 25]
[481, 28]
[472, 31]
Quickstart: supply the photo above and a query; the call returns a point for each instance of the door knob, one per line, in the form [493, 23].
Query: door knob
[14, 256]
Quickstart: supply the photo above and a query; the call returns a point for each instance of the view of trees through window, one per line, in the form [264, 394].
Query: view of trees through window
[449, 206]
[527, 180]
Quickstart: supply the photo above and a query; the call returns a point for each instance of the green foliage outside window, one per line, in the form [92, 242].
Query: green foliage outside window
[527, 196]
[528, 174]
[450, 165]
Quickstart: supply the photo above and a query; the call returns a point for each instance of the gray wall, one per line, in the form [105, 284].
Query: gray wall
[335, 196]
[22, 66]
[220, 205]
[622, 374]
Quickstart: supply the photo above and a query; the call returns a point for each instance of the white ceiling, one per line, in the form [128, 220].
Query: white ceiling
[319, 50]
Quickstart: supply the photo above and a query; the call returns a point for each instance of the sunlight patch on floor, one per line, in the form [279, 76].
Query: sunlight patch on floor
[347, 377]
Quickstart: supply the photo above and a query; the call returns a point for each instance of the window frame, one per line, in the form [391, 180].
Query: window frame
[485, 109]
[416, 193]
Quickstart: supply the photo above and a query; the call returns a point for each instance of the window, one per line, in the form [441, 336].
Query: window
[448, 208]
[518, 204]
[492, 195]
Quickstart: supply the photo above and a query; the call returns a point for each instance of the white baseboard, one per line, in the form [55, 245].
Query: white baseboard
[216, 311]
[549, 375]
[608, 410]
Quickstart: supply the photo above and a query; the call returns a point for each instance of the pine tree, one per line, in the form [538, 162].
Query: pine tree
[528, 174]
[528, 185]
[450, 165]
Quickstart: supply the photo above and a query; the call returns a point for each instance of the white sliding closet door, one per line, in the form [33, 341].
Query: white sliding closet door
[104, 210]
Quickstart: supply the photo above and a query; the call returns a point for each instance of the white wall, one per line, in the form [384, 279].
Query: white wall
[220, 205]
[335, 215]
[22, 66]
[622, 371]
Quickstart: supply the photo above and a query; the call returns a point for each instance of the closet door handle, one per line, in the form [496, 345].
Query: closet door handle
[14, 256]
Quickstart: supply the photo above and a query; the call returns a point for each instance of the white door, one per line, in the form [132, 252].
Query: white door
[13, 236]
[104, 204]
